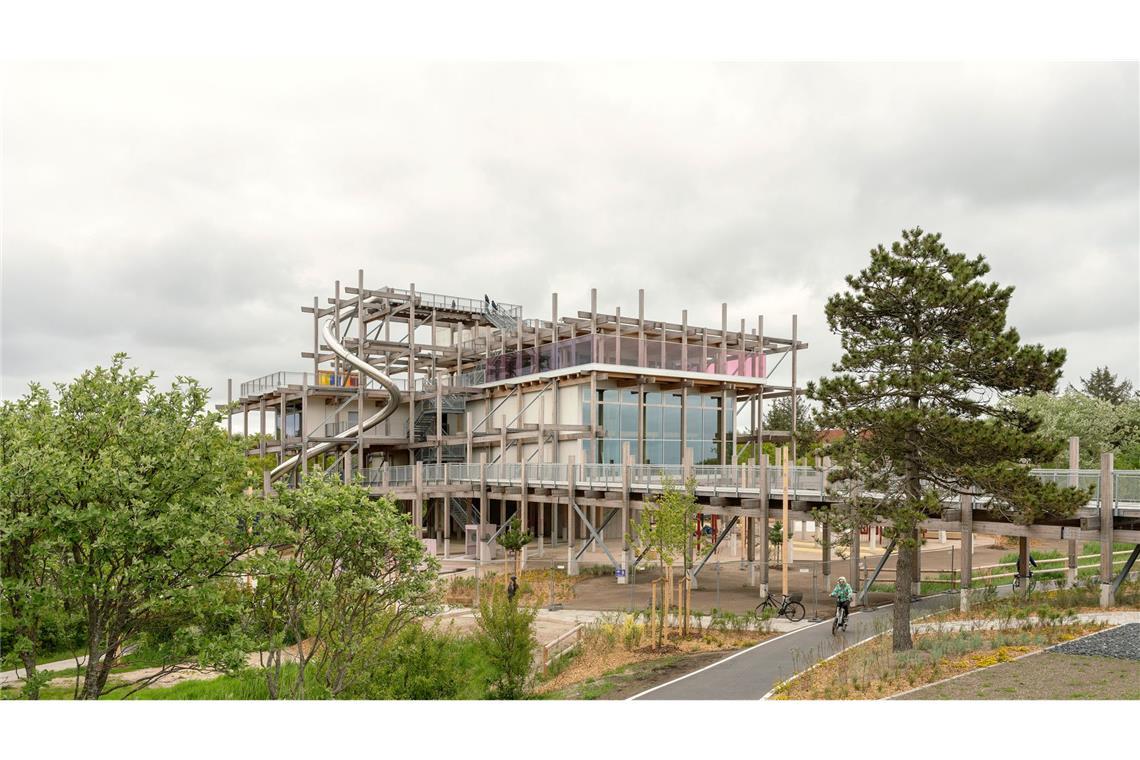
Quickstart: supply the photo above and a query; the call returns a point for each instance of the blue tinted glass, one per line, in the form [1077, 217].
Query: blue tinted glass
[671, 422]
[653, 428]
[654, 397]
[653, 452]
[628, 421]
[609, 419]
[693, 419]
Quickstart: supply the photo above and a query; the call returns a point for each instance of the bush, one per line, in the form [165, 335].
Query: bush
[424, 663]
[507, 640]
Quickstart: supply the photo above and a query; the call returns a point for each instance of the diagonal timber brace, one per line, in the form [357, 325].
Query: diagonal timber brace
[1128, 563]
[712, 550]
[613, 513]
[590, 527]
[874, 575]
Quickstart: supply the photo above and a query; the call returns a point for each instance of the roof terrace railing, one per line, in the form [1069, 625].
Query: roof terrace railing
[457, 303]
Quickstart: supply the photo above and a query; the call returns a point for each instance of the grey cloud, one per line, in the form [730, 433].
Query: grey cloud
[185, 212]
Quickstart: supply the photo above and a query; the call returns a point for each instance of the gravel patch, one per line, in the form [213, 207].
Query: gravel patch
[1122, 642]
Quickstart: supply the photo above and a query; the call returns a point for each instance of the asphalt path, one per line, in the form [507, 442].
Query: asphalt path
[753, 672]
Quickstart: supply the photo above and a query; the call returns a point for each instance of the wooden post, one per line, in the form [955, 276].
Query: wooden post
[1023, 561]
[787, 531]
[764, 525]
[418, 504]
[571, 486]
[524, 509]
[854, 581]
[1074, 481]
[1107, 597]
[361, 378]
[625, 484]
[967, 530]
[825, 548]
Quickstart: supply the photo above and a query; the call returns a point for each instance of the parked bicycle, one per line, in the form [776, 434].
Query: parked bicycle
[788, 605]
[1027, 580]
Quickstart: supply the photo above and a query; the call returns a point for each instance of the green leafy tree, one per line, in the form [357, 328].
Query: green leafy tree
[339, 574]
[779, 417]
[776, 540]
[513, 539]
[144, 508]
[665, 526]
[927, 358]
[29, 553]
[506, 637]
[1100, 425]
[1106, 386]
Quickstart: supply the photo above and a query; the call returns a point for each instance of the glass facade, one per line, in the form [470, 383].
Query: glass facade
[661, 421]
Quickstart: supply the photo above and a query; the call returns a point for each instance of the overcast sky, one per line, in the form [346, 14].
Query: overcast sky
[184, 213]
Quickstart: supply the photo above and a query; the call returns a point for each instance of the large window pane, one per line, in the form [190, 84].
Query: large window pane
[671, 422]
[653, 425]
[693, 420]
[653, 453]
[628, 421]
[608, 418]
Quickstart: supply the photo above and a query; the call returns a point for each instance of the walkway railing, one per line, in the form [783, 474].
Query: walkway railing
[723, 480]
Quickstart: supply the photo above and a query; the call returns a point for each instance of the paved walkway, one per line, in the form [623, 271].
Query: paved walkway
[12, 676]
[753, 672]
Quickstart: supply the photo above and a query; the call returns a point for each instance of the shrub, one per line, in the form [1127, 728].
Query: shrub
[507, 640]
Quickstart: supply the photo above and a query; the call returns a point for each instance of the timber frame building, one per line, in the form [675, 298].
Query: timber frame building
[469, 415]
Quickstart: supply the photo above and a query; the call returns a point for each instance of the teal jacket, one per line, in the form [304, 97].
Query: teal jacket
[842, 592]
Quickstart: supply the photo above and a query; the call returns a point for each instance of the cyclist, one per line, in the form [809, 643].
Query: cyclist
[843, 594]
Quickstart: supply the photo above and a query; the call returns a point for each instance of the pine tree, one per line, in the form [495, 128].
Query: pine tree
[1104, 385]
[927, 360]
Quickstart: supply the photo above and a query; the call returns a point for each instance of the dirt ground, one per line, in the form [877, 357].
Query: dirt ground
[1047, 675]
[724, 585]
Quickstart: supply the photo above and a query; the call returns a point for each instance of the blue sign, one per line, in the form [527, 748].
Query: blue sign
[619, 572]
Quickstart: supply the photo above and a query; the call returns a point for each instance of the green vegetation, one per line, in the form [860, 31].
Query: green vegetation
[513, 539]
[1101, 425]
[506, 636]
[926, 352]
[665, 527]
[121, 509]
[128, 534]
[873, 670]
[338, 575]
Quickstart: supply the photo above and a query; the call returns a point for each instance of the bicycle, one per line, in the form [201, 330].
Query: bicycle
[840, 620]
[789, 606]
[1029, 579]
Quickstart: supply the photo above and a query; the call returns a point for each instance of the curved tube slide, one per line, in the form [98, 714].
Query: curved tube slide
[393, 404]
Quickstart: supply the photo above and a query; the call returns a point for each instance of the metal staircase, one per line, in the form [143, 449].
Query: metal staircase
[463, 512]
[500, 319]
[424, 426]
